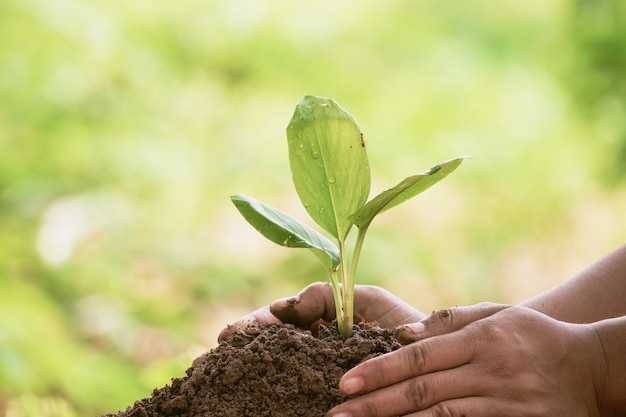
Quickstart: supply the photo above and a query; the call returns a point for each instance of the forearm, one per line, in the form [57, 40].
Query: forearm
[597, 293]
[611, 371]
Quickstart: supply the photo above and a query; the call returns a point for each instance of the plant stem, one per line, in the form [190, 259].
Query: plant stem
[334, 282]
[345, 312]
[348, 290]
[348, 312]
[358, 245]
[344, 303]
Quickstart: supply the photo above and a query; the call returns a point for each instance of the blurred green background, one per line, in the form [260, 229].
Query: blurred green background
[126, 125]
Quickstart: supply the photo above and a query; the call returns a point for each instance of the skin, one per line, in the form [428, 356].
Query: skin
[561, 353]
[315, 305]
[516, 362]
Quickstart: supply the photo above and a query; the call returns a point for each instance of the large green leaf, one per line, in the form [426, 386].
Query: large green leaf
[281, 228]
[328, 162]
[408, 188]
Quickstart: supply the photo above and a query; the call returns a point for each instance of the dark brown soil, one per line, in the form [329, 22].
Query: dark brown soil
[271, 370]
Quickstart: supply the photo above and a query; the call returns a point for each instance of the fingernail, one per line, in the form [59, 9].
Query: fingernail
[351, 386]
[418, 327]
[409, 333]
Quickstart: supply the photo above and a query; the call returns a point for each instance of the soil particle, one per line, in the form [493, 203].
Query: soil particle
[269, 370]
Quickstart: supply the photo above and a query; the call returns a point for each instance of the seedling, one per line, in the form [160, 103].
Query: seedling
[331, 174]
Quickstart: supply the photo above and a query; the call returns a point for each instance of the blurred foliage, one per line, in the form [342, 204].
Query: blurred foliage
[125, 126]
[597, 31]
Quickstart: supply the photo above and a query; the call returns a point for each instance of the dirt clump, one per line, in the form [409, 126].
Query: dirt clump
[269, 370]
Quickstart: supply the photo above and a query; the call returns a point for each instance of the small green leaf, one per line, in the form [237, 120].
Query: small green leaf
[405, 190]
[328, 163]
[281, 228]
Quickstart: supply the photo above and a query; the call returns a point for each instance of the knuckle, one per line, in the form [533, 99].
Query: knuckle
[370, 287]
[315, 288]
[417, 394]
[444, 314]
[487, 305]
[488, 308]
[442, 410]
[416, 358]
[493, 332]
[440, 318]
[368, 409]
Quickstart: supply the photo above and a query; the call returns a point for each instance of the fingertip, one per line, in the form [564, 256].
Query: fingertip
[351, 385]
[332, 413]
[310, 305]
[286, 310]
[225, 334]
[242, 322]
[230, 329]
[410, 333]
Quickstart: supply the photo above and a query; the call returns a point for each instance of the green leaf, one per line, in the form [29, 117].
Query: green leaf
[281, 228]
[405, 190]
[328, 163]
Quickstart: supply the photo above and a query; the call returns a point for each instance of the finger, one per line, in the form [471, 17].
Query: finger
[371, 303]
[262, 315]
[446, 321]
[471, 406]
[375, 303]
[447, 351]
[313, 303]
[414, 394]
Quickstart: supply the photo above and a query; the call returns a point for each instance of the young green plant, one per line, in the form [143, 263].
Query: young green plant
[331, 174]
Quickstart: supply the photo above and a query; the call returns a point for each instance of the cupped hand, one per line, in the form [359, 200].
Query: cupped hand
[315, 305]
[488, 360]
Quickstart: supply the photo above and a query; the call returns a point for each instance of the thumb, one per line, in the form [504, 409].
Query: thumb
[315, 302]
[445, 321]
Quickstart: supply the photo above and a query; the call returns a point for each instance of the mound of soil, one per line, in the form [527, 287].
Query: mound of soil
[270, 370]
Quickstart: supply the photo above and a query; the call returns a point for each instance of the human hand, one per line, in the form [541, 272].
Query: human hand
[445, 321]
[496, 360]
[315, 305]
